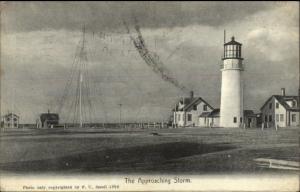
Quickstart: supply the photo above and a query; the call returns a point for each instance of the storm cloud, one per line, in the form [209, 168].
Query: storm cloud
[107, 16]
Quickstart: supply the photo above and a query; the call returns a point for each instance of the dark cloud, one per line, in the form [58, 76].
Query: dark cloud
[104, 16]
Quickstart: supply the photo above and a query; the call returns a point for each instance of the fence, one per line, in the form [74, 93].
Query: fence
[144, 125]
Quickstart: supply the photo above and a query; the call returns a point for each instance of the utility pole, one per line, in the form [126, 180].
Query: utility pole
[120, 117]
[12, 110]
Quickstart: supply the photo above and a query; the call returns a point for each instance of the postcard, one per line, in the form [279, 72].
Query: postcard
[149, 96]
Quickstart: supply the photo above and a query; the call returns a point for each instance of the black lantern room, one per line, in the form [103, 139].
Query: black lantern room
[232, 50]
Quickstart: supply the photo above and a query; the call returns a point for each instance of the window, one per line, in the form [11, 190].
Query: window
[195, 107]
[204, 107]
[239, 51]
[15, 119]
[277, 117]
[189, 117]
[277, 105]
[234, 119]
[241, 119]
[270, 105]
[8, 124]
[270, 118]
[266, 118]
[293, 117]
[293, 103]
[8, 119]
[15, 125]
[281, 117]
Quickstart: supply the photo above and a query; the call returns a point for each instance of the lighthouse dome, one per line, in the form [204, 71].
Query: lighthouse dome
[232, 42]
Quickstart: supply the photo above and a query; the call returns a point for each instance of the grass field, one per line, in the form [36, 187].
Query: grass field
[182, 150]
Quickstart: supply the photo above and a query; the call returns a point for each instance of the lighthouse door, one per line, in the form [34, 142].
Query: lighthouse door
[249, 122]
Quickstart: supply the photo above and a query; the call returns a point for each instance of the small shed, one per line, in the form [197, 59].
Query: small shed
[48, 120]
[250, 119]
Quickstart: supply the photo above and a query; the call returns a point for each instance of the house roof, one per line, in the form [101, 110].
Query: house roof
[282, 100]
[204, 114]
[11, 114]
[249, 113]
[213, 113]
[49, 116]
[190, 102]
[196, 101]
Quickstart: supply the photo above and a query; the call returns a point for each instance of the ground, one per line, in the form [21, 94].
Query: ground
[181, 150]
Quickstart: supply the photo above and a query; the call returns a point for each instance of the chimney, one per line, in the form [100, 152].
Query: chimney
[282, 91]
[192, 94]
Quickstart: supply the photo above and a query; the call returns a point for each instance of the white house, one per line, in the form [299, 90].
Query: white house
[10, 120]
[281, 111]
[188, 110]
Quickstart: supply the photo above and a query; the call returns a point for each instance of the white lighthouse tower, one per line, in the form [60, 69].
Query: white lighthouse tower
[232, 107]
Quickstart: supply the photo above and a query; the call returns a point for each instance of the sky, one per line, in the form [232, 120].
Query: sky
[39, 41]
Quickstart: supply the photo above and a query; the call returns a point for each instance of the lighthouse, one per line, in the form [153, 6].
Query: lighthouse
[232, 107]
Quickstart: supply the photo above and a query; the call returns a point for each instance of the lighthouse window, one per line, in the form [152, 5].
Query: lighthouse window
[230, 50]
[234, 119]
[277, 105]
[233, 50]
[293, 117]
[227, 50]
[281, 117]
[189, 117]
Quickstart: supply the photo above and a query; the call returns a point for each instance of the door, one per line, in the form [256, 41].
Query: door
[249, 122]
